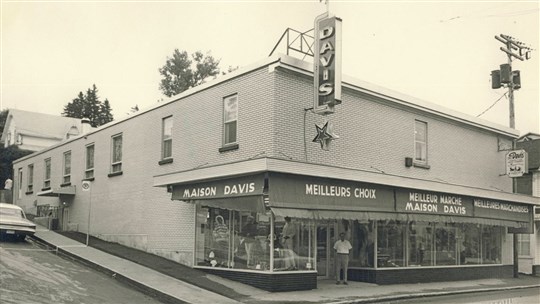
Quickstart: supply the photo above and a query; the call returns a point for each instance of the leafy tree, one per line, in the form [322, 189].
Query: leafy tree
[182, 72]
[89, 106]
[3, 118]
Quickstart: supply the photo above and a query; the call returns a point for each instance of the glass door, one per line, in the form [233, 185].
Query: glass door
[325, 254]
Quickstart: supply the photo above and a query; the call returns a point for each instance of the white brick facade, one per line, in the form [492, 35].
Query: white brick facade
[376, 134]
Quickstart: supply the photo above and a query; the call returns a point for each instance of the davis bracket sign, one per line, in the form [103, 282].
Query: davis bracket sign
[516, 163]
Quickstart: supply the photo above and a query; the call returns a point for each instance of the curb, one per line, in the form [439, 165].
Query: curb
[166, 298]
[430, 294]
[161, 296]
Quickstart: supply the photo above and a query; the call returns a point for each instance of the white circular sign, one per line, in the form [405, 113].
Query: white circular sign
[85, 186]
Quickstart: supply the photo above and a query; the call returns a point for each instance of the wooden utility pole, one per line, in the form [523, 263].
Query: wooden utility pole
[511, 45]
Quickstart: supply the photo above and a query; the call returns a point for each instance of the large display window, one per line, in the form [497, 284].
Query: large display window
[265, 242]
[244, 240]
[437, 244]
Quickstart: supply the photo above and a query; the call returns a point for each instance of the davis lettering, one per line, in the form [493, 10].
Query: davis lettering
[326, 58]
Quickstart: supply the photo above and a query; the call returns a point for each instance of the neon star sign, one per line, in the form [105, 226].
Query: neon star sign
[325, 135]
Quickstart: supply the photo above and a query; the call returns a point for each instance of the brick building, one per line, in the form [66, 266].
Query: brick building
[417, 188]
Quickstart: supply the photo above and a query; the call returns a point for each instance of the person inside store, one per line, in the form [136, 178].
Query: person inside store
[288, 233]
[342, 248]
[249, 232]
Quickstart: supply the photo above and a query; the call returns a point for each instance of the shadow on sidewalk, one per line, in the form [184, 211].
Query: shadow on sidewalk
[157, 263]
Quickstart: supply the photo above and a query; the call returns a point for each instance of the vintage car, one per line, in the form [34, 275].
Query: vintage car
[14, 224]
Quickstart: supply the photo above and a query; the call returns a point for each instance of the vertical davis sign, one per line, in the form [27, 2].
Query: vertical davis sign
[327, 64]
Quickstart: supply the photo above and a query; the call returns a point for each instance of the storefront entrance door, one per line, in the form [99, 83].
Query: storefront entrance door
[325, 253]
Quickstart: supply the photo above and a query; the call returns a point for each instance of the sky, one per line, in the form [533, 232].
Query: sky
[439, 51]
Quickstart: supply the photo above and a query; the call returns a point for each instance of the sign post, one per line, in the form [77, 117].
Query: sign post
[87, 187]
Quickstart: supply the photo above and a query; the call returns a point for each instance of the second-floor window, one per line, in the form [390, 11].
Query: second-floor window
[230, 119]
[167, 137]
[89, 169]
[67, 168]
[116, 157]
[30, 186]
[47, 176]
[420, 141]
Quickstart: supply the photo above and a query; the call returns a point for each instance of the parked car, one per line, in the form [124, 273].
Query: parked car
[14, 224]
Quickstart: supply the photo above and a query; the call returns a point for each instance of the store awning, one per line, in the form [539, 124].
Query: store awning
[243, 193]
[246, 203]
[335, 214]
[69, 190]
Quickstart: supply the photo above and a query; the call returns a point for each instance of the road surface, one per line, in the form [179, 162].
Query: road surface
[31, 274]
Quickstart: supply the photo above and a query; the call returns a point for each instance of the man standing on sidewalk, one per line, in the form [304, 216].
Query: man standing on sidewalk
[342, 247]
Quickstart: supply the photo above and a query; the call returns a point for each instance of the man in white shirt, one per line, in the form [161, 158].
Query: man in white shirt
[342, 247]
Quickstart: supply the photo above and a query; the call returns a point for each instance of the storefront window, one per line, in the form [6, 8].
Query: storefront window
[363, 241]
[445, 244]
[390, 245]
[232, 239]
[491, 245]
[420, 244]
[293, 249]
[469, 251]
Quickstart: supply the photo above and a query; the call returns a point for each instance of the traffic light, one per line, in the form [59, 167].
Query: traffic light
[506, 73]
[516, 80]
[495, 79]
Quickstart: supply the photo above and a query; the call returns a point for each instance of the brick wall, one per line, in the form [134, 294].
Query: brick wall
[375, 135]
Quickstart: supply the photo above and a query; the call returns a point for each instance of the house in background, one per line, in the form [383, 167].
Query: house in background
[529, 183]
[35, 131]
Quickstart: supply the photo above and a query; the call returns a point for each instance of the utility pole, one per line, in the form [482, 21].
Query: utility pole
[506, 74]
[513, 81]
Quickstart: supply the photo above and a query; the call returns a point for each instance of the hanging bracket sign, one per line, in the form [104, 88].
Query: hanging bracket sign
[327, 64]
[517, 163]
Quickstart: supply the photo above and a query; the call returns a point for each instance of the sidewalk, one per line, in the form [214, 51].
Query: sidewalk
[176, 283]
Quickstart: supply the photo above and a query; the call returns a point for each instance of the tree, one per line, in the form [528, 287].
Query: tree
[89, 106]
[181, 73]
[3, 118]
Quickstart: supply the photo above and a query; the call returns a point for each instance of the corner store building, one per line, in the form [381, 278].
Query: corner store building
[395, 212]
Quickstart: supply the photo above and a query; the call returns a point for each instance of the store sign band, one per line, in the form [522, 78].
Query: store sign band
[316, 193]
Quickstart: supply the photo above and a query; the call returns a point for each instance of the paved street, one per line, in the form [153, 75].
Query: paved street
[517, 296]
[31, 274]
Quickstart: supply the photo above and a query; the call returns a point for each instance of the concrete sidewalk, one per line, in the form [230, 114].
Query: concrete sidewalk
[176, 291]
[145, 279]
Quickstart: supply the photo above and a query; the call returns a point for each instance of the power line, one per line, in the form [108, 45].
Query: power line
[491, 106]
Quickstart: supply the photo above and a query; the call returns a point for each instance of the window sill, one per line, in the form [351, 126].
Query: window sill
[229, 148]
[115, 173]
[29, 192]
[45, 188]
[421, 165]
[90, 179]
[65, 184]
[165, 161]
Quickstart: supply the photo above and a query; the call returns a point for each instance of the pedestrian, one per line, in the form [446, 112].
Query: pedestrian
[342, 247]
[289, 231]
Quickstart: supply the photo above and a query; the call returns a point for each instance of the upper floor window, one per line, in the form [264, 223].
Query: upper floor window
[30, 186]
[89, 169]
[420, 141]
[166, 147]
[47, 177]
[230, 119]
[116, 157]
[67, 168]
